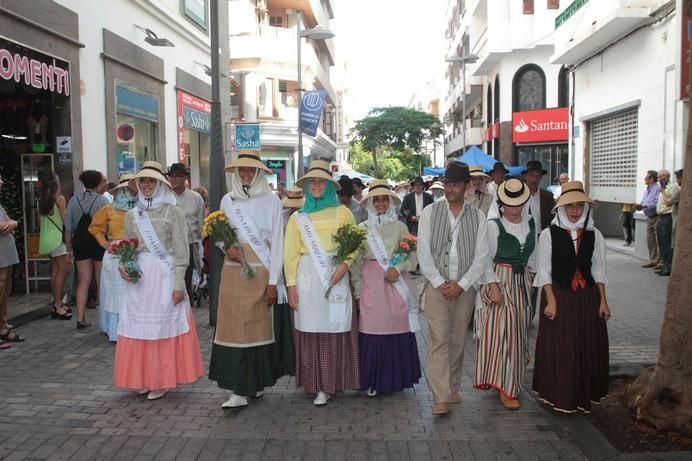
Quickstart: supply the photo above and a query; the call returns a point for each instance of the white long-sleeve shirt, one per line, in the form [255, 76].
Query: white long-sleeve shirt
[425, 259]
[265, 212]
[545, 263]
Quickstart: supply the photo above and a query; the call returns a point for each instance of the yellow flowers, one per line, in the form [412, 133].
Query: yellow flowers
[212, 221]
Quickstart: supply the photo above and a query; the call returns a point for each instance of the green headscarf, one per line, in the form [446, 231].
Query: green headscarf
[328, 199]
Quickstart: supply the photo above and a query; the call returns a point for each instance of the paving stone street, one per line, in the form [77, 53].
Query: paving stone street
[57, 402]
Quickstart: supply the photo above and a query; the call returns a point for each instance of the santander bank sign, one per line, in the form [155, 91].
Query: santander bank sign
[541, 125]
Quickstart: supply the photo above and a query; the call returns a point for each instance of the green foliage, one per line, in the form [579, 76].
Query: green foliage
[394, 165]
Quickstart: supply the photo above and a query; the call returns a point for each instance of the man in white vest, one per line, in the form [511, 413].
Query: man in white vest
[453, 255]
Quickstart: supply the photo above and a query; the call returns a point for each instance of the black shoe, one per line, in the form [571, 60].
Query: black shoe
[55, 315]
[82, 325]
[664, 273]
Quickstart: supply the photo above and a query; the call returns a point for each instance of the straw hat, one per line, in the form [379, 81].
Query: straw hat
[250, 159]
[476, 170]
[437, 185]
[152, 169]
[572, 192]
[125, 179]
[379, 187]
[513, 192]
[318, 169]
[294, 199]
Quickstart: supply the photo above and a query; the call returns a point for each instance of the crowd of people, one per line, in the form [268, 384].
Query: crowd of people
[493, 250]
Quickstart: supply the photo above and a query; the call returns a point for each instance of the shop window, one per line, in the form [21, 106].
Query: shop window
[553, 4]
[528, 7]
[136, 129]
[528, 92]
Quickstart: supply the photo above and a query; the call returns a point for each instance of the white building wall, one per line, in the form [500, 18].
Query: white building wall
[120, 16]
[641, 68]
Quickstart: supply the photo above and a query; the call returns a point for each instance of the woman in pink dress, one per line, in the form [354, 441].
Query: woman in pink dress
[157, 347]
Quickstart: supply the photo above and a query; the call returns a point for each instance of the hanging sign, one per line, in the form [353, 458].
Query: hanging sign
[311, 111]
[247, 136]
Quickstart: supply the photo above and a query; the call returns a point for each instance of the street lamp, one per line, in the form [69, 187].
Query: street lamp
[464, 59]
[316, 33]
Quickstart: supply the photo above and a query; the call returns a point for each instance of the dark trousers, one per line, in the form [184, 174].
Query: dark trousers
[627, 220]
[188, 272]
[664, 233]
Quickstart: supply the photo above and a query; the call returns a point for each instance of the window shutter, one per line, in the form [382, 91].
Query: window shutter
[528, 6]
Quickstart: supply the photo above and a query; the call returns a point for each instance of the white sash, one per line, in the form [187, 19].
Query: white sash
[322, 261]
[156, 248]
[248, 232]
[378, 249]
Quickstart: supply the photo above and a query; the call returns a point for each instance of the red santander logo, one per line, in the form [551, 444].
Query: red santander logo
[541, 125]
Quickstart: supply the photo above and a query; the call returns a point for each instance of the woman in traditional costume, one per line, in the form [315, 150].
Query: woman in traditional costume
[158, 347]
[502, 320]
[571, 370]
[107, 227]
[477, 194]
[252, 344]
[388, 309]
[326, 329]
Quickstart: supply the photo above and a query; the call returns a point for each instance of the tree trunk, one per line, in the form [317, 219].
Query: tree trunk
[662, 394]
[374, 162]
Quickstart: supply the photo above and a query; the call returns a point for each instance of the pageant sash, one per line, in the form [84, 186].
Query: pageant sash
[321, 260]
[151, 240]
[378, 249]
[248, 232]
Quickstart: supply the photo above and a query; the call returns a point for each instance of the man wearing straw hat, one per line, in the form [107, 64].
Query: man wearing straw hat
[453, 255]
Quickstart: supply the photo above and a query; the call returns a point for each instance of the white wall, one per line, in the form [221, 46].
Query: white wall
[638, 68]
[119, 16]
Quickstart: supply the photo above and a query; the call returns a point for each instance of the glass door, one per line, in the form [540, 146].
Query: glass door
[554, 158]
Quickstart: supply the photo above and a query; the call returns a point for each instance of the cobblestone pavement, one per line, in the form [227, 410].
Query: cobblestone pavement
[57, 402]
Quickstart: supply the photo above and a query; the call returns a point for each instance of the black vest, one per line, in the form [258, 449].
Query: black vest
[564, 260]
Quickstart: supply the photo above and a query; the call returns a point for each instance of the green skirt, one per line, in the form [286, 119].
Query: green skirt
[248, 370]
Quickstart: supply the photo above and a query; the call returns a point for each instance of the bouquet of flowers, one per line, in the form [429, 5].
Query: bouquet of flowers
[127, 250]
[348, 238]
[407, 245]
[217, 227]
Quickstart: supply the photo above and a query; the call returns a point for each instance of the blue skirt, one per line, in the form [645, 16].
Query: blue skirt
[108, 322]
[388, 363]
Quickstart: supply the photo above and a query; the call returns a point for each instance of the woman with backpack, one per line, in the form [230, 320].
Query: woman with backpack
[82, 247]
[51, 240]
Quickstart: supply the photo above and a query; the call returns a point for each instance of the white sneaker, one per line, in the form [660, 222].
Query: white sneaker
[371, 392]
[143, 391]
[321, 399]
[259, 394]
[155, 395]
[236, 401]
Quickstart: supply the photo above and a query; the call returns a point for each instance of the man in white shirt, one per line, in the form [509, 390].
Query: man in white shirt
[453, 255]
[193, 205]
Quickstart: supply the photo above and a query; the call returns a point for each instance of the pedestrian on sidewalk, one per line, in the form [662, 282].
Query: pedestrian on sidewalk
[664, 224]
[158, 347]
[571, 362]
[252, 328]
[82, 247]
[53, 213]
[627, 221]
[452, 253]
[326, 329]
[502, 320]
[388, 350]
[8, 258]
[108, 227]
[648, 207]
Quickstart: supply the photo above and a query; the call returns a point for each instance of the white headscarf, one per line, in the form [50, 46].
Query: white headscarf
[163, 195]
[259, 186]
[562, 221]
[374, 220]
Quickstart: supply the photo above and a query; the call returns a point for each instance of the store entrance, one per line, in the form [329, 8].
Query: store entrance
[553, 157]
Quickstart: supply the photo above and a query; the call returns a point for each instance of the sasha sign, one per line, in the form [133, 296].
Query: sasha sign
[37, 74]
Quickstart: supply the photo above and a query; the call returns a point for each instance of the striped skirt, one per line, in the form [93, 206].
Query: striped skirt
[503, 334]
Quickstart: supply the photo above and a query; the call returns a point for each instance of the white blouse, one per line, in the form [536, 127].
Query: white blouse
[266, 212]
[520, 231]
[544, 259]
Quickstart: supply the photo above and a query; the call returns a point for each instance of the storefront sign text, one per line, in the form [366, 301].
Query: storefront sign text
[193, 114]
[276, 164]
[540, 125]
[247, 136]
[135, 104]
[39, 75]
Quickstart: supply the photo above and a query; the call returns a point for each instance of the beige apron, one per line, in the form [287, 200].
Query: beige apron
[244, 319]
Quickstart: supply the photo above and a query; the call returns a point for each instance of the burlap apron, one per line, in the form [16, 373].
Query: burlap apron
[244, 319]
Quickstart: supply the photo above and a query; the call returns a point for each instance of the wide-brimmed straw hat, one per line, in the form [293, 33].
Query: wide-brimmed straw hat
[477, 171]
[437, 185]
[379, 187]
[250, 159]
[318, 169]
[294, 199]
[152, 169]
[124, 181]
[513, 192]
[572, 192]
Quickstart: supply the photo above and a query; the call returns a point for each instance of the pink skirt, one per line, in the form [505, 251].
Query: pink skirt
[158, 364]
[382, 309]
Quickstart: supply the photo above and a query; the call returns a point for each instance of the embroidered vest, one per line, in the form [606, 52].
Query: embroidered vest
[565, 261]
[510, 250]
[441, 237]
